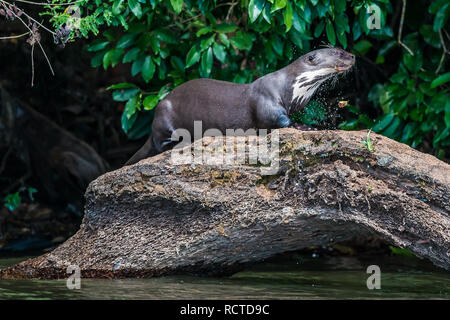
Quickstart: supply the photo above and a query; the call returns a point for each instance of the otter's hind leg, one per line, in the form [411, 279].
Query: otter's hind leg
[160, 139]
[147, 150]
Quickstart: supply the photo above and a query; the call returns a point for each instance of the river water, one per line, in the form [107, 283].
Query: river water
[298, 276]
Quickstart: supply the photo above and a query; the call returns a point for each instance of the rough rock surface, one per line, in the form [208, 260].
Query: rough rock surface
[156, 218]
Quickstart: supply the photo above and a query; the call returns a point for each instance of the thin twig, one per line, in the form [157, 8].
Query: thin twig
[184, 21]
[400, 29]
[29, 17]
[45, 55]
[15, 37]
[446, 33]
[49, 4]
[31, 31]
[444, 52]
[32, 65]
[199, 15]
[230, 10]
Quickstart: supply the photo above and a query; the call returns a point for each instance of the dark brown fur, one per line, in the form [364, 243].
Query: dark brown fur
[264, 104]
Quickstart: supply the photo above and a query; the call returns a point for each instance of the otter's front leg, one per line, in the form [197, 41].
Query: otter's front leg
[283, 121]
[271, 115]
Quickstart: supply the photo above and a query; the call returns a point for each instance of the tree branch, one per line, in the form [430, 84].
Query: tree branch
[400, 29]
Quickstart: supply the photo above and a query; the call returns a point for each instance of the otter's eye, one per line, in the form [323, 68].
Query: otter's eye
[311, 58]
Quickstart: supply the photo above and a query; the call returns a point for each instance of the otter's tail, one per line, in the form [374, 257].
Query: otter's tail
[147, 150]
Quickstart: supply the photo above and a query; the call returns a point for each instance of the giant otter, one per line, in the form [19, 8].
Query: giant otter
[265, 103]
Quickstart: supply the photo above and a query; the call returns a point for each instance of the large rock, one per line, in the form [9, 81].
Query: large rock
[156, 218]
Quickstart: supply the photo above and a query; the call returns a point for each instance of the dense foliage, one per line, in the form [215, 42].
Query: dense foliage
[167, 42]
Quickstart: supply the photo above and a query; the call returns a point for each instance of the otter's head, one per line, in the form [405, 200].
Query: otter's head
[317, 66]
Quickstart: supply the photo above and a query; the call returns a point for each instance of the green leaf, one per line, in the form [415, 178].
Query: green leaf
[385, 48]
[288, 16]
[123, 85]
[277, 44]
[163, 92]
[118, 6]
[219, 52]
[177, 63]
[206, 43]
[131, 106]
[97, 45]
[431, 37]
[112, 58]
[255, 8]
[154, 43]
[131, 55]
[322, 10]
[241, 41]
[206, 63]
[436, 5]
[12, 201]
[97, 59]
[408, 132]
[297, 22]
[349, 125]
[110, 35]
[391, 130]
[279, 4]
[401, 251]
[441, 136]
[136, 67]
[193, 56]
[440, 80]
[203, 31]
[135, 7]
[319, 29]
[177, 5]
[141, 125]
[342, 37]
[307, 14]
[340, 5]
[362, 46]
[441, 17]
[356, 30]
[383, 122]
[447, 114]
[167, 36]
[31, 191]
[126, 41]
[150, 102]
[148, 69]
[266, 14]
[225, 27]
[413, 63]
[124, 94]
[330, 32]
[127, 124]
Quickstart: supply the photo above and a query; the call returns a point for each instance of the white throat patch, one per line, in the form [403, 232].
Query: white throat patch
[305, 85]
